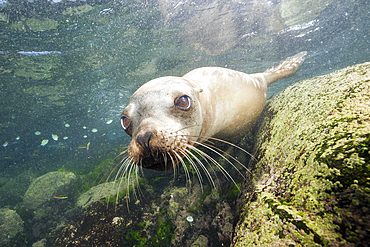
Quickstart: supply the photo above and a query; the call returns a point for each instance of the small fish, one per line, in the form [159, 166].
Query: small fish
[87, 147]
[85, 136]
[44, 142]
[55, 137]
[60, 197]
[109, 121]
[94, 130]
[84, 127]
[37, 133]
[5, 144]
[67, 125]
[65, 138]
[17, 138]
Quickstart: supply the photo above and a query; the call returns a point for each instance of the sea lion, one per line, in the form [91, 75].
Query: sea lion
[168, 116]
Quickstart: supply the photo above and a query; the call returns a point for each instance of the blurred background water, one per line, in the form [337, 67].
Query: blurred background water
[68, 68]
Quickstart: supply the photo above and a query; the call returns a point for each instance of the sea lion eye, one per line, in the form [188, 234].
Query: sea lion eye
[125, 122]
[183, 102]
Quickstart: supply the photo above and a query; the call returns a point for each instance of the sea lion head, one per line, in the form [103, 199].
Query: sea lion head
[162, 117]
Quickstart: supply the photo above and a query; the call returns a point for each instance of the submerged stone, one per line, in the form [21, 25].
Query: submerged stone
[10, 224]
[45, 187]
[107, 190]
[202, 241]
[311, 184]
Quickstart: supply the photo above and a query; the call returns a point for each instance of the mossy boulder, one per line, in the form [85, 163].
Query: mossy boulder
[202, 241]
[13, 190]
[43, 188]
[10, 224]
[101, 191]
[311, 184]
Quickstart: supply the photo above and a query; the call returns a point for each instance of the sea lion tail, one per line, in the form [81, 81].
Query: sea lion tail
[285, 68]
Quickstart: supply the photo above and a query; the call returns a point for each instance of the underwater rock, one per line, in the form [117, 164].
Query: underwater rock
[99, 192]
[164, 213]
[45, 204]
[10, 224]
[13, 190]
[223, 222]
[45, 187]
[40, 243]
[202, 241]
[196, 212]
[311, 184]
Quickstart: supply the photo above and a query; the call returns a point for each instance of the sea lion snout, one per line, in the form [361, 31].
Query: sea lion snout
[143, 140]
[156, 149]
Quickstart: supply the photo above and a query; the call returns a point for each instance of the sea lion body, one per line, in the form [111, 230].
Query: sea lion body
[167, 116]
[233, 100]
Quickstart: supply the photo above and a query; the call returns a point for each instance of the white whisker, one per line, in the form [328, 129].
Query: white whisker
[222, 169]
[115, 165]
[184, 152]
[137, 182]
[128, 183]
[185, 168]
[123, 165]
[210, 147]
[226, 142]
[173, 165]
[204, 168]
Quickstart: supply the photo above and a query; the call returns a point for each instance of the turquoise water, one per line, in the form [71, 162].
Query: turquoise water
[78, 62]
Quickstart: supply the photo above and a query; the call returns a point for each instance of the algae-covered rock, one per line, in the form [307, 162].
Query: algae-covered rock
[13, 190]
[224, 221]
[98, 192]
[202, 241]
[311, 185]
[45, 215]
[45, 187]
[163, 213]
[40, 243]
[10, 224]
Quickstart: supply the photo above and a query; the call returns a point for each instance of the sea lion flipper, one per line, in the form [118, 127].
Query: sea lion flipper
[285, 68]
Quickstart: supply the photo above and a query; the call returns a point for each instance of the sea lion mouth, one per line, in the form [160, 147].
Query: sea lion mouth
[156, 151]
[156, 164]
[160, 167]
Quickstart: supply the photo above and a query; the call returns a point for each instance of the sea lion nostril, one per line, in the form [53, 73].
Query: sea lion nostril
[143, 140]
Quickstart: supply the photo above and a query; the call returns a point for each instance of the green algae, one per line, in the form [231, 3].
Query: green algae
[233, 192]
[311, 184]
[134, 238]
[10, 225]
[199, 205]
[164, 232]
